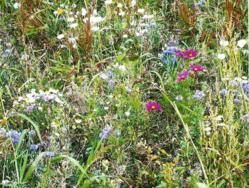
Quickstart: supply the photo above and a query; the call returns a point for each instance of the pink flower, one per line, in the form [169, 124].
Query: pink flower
[187, 54]
[197, 68]
[182, 75]
[153, 106]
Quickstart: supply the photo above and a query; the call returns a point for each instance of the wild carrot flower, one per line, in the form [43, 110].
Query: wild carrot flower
[197, 68]
[153, 106]
[187, 54]
[182, 75]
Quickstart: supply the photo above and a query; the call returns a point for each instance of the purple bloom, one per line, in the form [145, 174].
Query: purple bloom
[237, 101]
[153, 106]
[187, 54]
[15, 136]
[105, 133]
[245, 118]
[197, 68]
[182, 75]
[245, 87]
[31, 108]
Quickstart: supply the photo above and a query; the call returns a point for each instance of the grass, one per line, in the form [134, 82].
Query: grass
[124, 93]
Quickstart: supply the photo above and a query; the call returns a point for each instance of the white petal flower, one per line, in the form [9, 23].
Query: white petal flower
[60, 36]
[108, 2]
[120, 5]
[133, 3]
[73, 25]
[224, 43]
[241, 43]
[83, 12]
[127, 114]
[221, 56]
[140, 10]
[16, 5]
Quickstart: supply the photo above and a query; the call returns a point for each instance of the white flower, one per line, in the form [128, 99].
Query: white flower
[95, 28]
[70, 19]
[122, 68]
[121, 13]
[224, 43]
[133, 3]
[140, 10]
[221, 56]
[96, 19]
[125, 36]
[201, 185]
[120, 5]
[16, 5]
[78, 121]
[73, 25]
[73, 41]
[60, 36]
[148, 17]
[179, 98]
[83, 12]
[127, 114]
[108, 2]
[241, 43]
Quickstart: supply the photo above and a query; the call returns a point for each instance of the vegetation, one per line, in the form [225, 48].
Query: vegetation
[124, 93]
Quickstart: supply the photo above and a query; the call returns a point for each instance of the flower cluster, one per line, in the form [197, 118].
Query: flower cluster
[31, 100]
[193, 68]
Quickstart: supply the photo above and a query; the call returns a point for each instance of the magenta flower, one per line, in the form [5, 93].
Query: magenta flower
[197, 68]
[153, 106]
[187, 54]
[182, 75]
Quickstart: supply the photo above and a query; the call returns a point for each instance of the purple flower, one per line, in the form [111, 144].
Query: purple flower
[245, 118]
[153, 106]
[15, 136]
[182, 75]
[237, 101]
[187, 54]
[245, 87]
[105, 133]
[31, 108]
[197, 68]
[34, 147]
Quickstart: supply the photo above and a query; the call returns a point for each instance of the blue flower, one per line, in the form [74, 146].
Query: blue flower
[15, 136]
[105, 132]
[49, 154]
[34, 147]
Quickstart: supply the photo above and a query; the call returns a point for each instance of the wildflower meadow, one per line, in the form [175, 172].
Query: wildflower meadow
[124, 94]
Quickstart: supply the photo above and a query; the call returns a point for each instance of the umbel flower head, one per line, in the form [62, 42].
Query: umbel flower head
[153, 106]
[187, 54]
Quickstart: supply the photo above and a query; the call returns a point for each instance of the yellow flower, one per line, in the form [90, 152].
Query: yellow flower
[59, 11]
